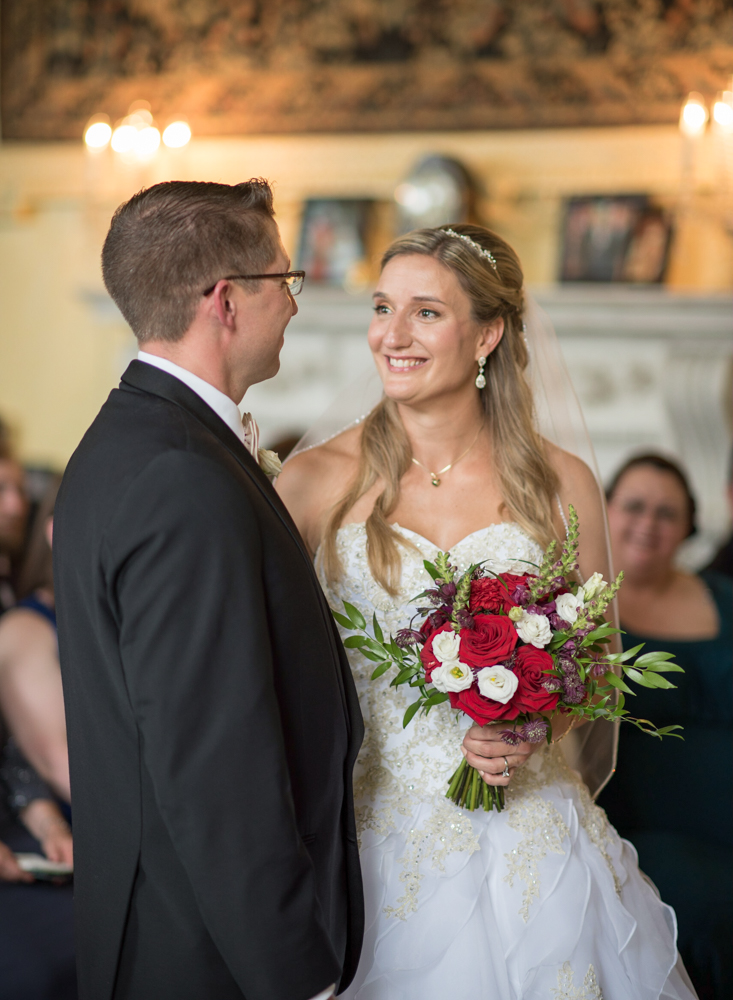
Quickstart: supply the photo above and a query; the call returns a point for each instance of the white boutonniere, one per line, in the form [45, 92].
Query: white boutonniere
[269, 463]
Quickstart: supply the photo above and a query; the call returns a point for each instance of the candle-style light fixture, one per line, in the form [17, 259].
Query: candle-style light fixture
[135, 137]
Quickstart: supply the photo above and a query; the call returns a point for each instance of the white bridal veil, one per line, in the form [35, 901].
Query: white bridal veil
[591, 749]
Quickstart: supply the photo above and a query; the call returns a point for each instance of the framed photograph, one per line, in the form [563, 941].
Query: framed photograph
[612, 238]
[334, 241]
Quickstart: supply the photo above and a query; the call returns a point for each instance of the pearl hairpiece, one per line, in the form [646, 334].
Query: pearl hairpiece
[476, 246]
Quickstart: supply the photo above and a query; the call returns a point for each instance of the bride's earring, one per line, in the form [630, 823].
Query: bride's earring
[481, 378]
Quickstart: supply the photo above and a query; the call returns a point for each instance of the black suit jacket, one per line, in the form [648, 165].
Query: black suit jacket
[213, 722]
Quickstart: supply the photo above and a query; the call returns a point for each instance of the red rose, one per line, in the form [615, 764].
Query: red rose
[491, 594]
[490, 642]
[532, 668]
[483, 710]
[429, 660]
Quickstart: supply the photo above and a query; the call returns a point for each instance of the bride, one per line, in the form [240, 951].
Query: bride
[543, 900]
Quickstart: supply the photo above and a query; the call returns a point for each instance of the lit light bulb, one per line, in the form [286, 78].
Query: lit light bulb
[123, 138]
[694, 115]
[147, 141]
[97, 134]
[177, 134]
[723, 111]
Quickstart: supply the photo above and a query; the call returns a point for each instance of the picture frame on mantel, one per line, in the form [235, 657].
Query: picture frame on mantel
[615, 238]
[334, 247]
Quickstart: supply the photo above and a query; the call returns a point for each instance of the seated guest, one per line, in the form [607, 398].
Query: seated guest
[13, 518]
[31, 696]
[36, 930]
[672, 799]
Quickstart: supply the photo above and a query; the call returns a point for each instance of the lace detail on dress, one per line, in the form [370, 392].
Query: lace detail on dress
[567, 990]
[443, 833]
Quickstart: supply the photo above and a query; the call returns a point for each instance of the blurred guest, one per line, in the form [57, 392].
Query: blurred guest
[31, 696]
[36, 930]
[13, 518]
[722, 561]
[672, 799]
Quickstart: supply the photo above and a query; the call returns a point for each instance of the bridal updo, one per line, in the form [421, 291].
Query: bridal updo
[528, 481]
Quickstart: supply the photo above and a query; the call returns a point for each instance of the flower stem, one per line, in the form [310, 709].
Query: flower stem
[456, 779]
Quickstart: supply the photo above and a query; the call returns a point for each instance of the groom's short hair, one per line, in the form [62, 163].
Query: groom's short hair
[171, 241]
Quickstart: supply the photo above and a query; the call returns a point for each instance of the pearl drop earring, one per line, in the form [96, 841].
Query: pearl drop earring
[481, 378]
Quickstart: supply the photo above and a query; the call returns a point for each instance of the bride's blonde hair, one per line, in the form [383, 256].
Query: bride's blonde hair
[528, 482]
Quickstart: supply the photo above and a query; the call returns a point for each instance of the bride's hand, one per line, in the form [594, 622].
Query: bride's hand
[486, 751]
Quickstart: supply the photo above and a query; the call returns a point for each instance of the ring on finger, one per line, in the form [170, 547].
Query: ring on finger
[505, 772]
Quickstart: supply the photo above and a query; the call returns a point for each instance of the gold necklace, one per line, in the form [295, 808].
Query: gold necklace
[435, 476]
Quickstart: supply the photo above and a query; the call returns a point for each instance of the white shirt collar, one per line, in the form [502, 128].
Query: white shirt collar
[222, 405]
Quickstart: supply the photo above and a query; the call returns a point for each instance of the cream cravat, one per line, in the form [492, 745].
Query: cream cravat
[251, 435]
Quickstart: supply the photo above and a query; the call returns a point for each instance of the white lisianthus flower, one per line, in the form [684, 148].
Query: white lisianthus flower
[592, 587]
[446, 646]
[568, 606]
[534, 629]
[452, 675]
[497, 683]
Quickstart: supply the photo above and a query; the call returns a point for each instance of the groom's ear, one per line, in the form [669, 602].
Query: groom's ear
[491, 334]
[223, 304]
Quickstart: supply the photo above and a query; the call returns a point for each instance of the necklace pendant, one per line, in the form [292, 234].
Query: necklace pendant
[434, 479]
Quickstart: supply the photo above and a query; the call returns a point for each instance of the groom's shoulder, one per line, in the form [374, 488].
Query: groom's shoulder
[132, 433]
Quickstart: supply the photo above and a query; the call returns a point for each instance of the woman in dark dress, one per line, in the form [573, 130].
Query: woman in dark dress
[37, 959]
[672, 799]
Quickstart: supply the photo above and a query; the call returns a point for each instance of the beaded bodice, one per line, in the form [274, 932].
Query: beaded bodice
[418, 759]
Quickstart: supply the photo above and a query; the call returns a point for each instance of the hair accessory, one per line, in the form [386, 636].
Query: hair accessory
[487, 254]
[481, 378]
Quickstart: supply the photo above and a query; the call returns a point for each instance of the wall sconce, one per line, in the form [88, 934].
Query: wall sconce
[136, 136]
[694, 115]
[723, 111]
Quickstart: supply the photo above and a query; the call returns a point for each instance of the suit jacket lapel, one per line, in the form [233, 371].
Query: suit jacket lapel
[147, 378]
[150, 379]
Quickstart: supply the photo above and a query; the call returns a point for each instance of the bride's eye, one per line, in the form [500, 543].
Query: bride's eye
[427, 313]
[381, 309]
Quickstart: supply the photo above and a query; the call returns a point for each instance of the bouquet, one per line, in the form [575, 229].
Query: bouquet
[513, 649]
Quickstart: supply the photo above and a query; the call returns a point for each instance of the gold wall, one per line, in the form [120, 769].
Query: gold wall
[62, 349]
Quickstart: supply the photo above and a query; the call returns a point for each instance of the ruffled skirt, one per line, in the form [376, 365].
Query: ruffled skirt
[544, 900]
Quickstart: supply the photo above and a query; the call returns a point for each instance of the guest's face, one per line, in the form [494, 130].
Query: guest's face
[423, 336]
[649, 518]
[13, 507]
[262, 318]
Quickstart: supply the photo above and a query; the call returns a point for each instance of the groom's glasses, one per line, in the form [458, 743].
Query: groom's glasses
[293, 279]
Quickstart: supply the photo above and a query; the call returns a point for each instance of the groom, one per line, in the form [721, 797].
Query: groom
[212, 719]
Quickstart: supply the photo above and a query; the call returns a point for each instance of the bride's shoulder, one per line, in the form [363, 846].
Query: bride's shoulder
[312, 481]
[576, 478]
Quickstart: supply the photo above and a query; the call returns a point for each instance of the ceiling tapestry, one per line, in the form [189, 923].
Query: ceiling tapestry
[259, 66]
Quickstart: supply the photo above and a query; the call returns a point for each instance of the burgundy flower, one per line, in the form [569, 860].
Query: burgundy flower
[408, 637]
[534, 731]
[512, 738]
[491, 641]
[573, 688]
[495, 593]
[532, 668]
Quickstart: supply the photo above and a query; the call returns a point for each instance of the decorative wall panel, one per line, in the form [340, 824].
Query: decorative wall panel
[259, 66]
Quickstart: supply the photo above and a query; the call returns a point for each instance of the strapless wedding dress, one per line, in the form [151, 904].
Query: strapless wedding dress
[543, 900]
